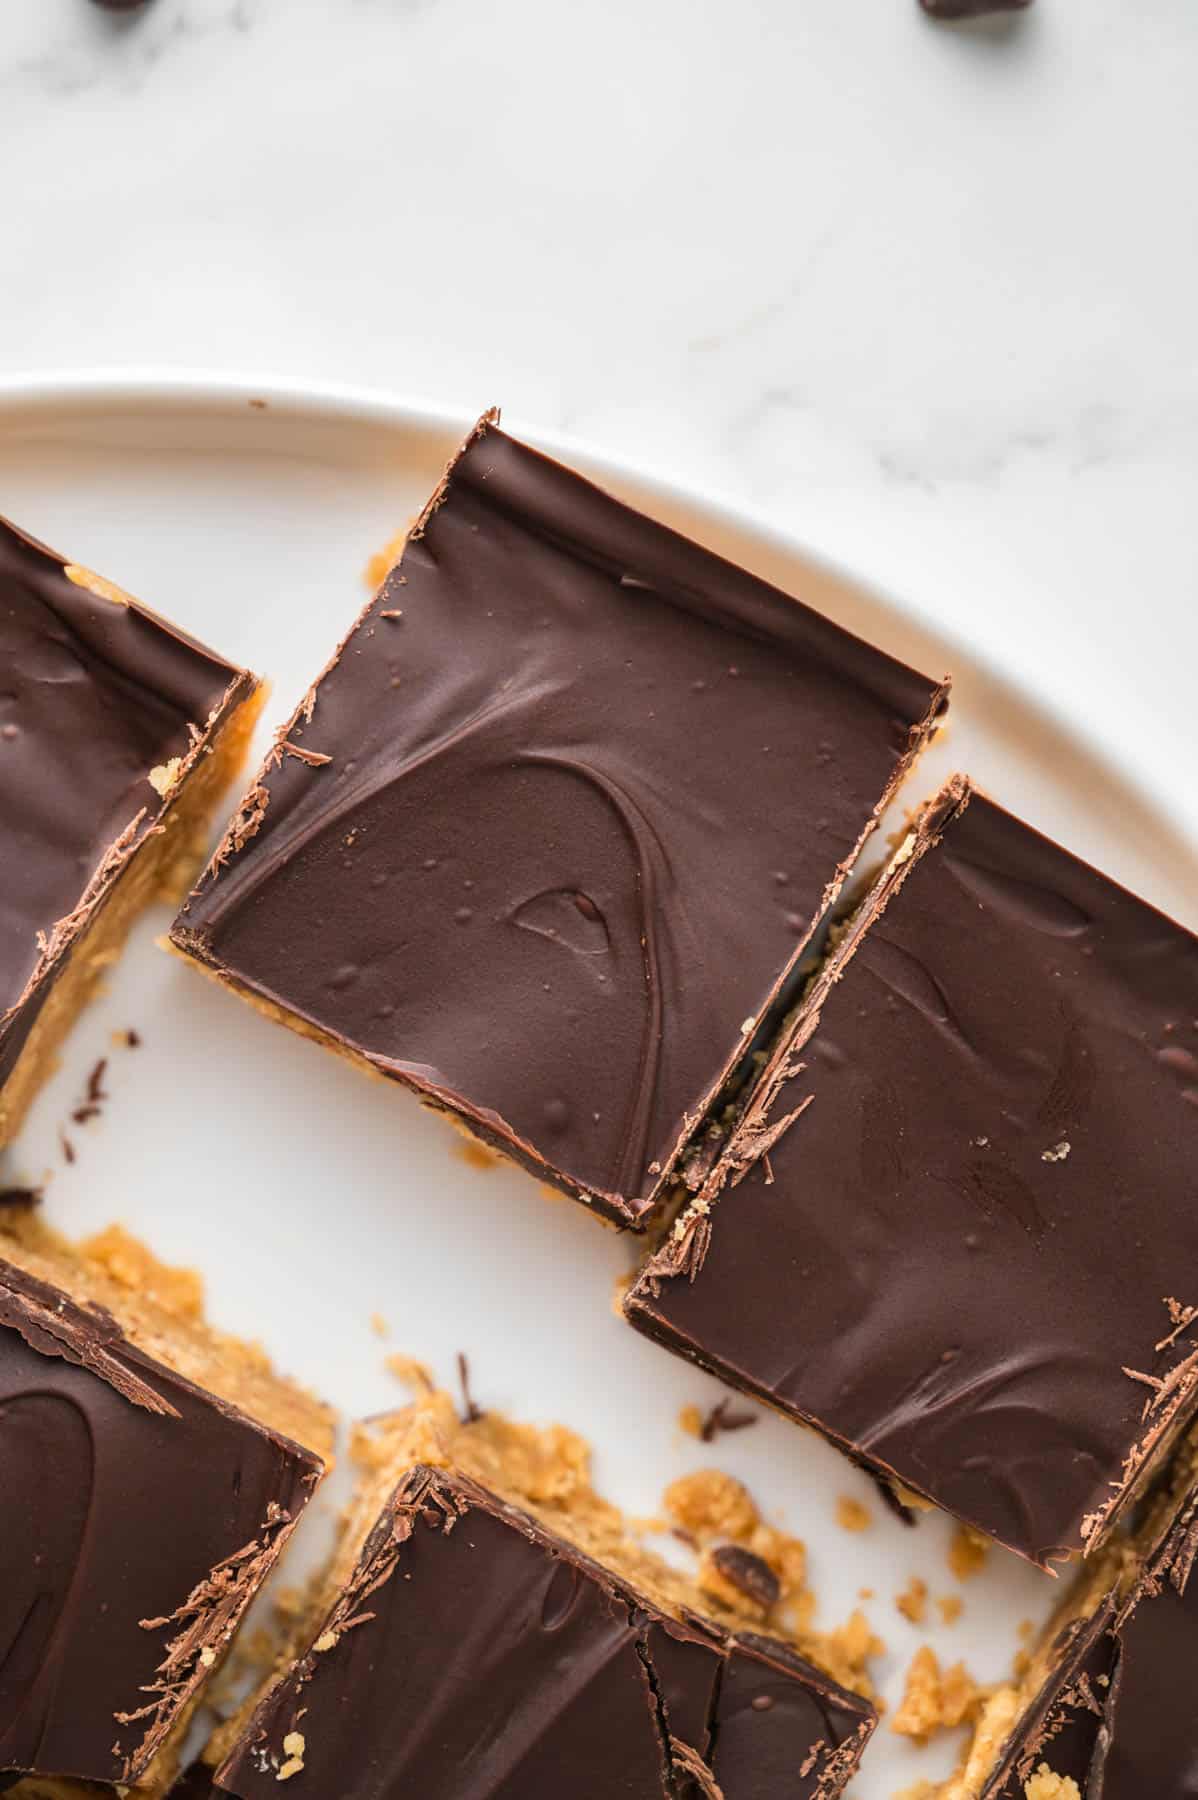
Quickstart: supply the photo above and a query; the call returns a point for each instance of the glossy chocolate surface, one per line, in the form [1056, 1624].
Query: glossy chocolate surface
[580, 788]
[494, 1660]
[94, 693]
[964, 1263]
[137, 1516]
[1119, 1709]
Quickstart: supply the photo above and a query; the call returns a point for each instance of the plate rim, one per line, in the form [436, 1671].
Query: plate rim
[166, 390]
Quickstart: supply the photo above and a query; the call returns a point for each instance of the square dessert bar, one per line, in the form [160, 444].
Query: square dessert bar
[957, 1232]
[117, 735]
[472, 1641]
[151, 1476]
[549, 832]
[1108, 1703]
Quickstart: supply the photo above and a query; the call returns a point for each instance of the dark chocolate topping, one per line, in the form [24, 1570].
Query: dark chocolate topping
[476, 1654]
[1118, 1712]
[587, 785]
[94, 693]
[137, 1516]
[1065, 1724]
[971, 9]
[971, 1262]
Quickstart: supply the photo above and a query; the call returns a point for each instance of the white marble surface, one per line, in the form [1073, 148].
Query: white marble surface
[924, 295]
[926, 298]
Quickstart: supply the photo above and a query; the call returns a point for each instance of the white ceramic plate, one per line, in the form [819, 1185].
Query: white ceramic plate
[311, 1198]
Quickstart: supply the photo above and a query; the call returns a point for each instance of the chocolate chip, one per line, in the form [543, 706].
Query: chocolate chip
[971, 9]
[748, 1573]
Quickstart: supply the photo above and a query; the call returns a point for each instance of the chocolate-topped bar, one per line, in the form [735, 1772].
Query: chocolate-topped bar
[552, 827]
[471, 1640]
[955, 1230]
[1109, 1703]
[139, 1514]
[117, 733]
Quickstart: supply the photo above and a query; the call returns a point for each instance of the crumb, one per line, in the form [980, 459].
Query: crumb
[293, 1749]
[865, 1593]
[934, 1701]
[845, 1651]
[913, 1601]
[967, 1553]
[207, 1656]
[478, 1156]
[165, 776]
[1021, 1662]
[1058, 1153]
[379, 1325]
[413, 1374]
[1027, 1630]
[392, 612]
[1044, 1785]
[690, 1420]
[126, 1040]
[851, 1515]
[950, 1606]
[711, 1504]
[328, 1640]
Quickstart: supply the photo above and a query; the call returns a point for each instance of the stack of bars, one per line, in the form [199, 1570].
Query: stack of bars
[556, 841]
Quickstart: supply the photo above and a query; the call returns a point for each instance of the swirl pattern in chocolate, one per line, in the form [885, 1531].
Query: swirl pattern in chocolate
[970, 1259]
[557, 820]
[138, 1516]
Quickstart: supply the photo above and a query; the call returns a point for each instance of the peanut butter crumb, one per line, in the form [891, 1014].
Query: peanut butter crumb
[950, 1606]
[207, 1656]
[913, 1601]
[477, 1155]
[934, 1700]
[164, 777]
[1044, 1785]
[967, 1553]
[413, 1374]
[379, 1325]
[1027, 1630]
[690, 1420]
[865, 1593]
[328, 1640]
[851, 1515]
[293, 1749]
[711, 1504]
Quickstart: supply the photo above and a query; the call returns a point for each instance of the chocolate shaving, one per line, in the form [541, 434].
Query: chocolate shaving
[20, 1198]
[471, 1413]
[95, 1083]
[68, 1149]
[721, 1418]
[749, 1574]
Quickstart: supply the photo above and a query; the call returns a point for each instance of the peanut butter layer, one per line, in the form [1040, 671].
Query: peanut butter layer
[117, 733]
[150, 1482]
